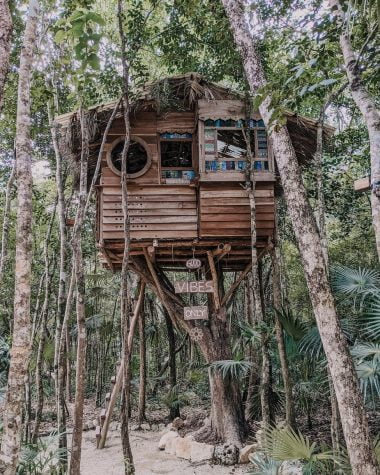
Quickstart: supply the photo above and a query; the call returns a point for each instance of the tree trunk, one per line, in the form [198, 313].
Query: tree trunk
[142, 386]
[350, 401]
[256, 292]
[125, 300]
[76, 446]
[227, 416]
[6, 219]
[20, 351]
[59, 353]
[5, 45]
[174, 411]
[285, 373]
[42, 336]
[366, 103]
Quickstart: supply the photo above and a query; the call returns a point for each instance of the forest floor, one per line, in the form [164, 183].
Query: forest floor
[147, 458]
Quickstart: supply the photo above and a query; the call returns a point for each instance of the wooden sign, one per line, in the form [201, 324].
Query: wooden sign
[196, 313]
[184, 286]
[193, 263]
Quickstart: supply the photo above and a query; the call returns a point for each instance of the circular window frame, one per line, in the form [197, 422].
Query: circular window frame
[134, 138]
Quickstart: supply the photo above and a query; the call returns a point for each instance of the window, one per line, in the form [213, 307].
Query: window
[225, 145]
[138, 159]
[176, 158]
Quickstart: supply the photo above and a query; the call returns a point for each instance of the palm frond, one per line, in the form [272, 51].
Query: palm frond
[363, 350]
[355, 282]
[234, 369]
[311, 343]
[369, 378]
[264, 465]
[291, 323]
[286, 444]
[248, 333]
[371, 318]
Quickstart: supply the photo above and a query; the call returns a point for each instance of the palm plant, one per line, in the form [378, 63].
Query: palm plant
[233, 369]
[286, 444]
[41, 457]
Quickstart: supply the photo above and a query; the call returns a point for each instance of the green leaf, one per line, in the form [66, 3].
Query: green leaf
[60, 36]
[328, 82]
[77, 29]
[92, 16]
[93, 61]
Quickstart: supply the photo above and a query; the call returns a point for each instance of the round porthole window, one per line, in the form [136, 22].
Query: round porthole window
[138, 157]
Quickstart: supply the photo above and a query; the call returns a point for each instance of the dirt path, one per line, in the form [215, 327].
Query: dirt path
[148, 459]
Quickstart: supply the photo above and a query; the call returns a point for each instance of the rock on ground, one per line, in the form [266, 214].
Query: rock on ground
[166, 438]
[245, 452]
[148, 459]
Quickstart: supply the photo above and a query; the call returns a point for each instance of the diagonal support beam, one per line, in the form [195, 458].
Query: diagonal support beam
[119, 377]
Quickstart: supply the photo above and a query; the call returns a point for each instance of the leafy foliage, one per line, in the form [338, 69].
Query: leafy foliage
[231, 368]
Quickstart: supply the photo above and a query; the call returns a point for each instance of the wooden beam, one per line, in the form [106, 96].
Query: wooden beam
[214, 276]
[119, 377]
[226, 299]
[362, 184]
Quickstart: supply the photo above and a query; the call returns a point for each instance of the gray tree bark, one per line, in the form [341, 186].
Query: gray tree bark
[20, 351]
[76, 446]
[366, 103]
[5, 45]
[6, 221]
[350, 401]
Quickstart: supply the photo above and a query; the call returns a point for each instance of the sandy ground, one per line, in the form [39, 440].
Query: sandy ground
[148, 459]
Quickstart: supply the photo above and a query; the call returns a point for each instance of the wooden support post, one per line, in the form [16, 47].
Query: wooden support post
[221, 251]
[155, 278]
[214, 276]
[105, 254]
[152, 253]
[97, 435]
[118, 379]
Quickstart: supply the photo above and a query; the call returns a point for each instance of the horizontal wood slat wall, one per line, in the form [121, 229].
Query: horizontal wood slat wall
[158, 211]
[224, 210]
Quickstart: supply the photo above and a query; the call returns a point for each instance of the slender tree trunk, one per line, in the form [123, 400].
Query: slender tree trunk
[366, 103]
[174, 411]
[350, 401]
[42, 336]
[125, 302]
[6, 220]
[256, 293]
[143, 370]
[5, 45]
[76, 446]
[20, 351]
[277, 304]
[321, 222]
[59, 353]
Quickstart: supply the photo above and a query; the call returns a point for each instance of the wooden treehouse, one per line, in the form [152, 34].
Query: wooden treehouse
[188, 207]
[186, 167]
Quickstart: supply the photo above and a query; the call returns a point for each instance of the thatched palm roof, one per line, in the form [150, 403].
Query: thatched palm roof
[181, 93]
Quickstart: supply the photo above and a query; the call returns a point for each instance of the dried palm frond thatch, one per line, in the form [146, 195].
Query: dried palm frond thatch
[177, 93]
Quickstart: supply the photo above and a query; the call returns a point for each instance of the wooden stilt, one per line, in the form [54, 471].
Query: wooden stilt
[214, 275]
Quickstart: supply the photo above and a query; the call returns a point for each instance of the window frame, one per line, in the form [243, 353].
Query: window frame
[161, 168]
[232, 174]
[133, 138]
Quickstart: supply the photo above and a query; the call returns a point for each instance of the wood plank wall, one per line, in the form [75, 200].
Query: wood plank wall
[156, 211]
[224, 210]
